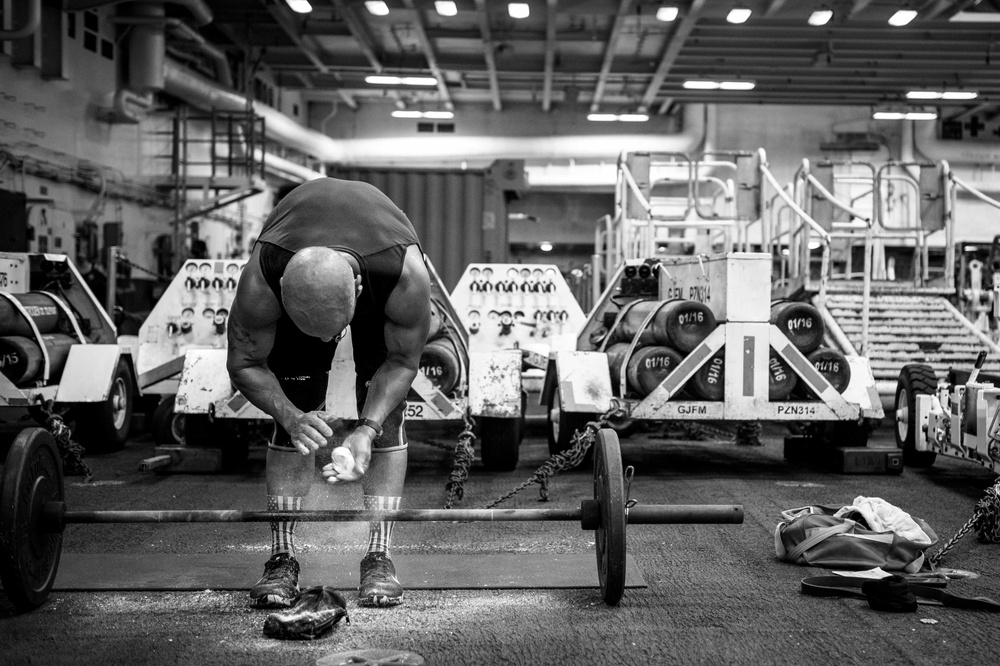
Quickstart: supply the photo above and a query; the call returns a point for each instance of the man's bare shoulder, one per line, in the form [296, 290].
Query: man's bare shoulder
[410, 300]
[255, 305]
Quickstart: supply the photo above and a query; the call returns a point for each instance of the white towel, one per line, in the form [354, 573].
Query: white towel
[881, 516]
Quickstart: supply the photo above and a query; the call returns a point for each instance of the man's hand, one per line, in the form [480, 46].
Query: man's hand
[309, 431]
[359, 443]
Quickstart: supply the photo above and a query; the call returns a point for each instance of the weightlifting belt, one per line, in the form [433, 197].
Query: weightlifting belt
[894, 594]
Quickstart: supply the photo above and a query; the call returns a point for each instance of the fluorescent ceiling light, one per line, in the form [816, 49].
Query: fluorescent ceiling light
[445, 7]
[299, 6]
[430, 115]
[947, 94]
[820, 17]
[701, 85]
[902, 17]
[959, 94]
[904, 115]
[545, 246]
[666, 14]
[385, 80]
[738, 15]
[377, 7]
[737, 85]
[518, 10]
[975, 17]
[719, 85]
[617, 117]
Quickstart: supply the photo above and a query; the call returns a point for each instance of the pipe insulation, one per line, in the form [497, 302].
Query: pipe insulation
[31, 23]
[198, 9]
[146, 50]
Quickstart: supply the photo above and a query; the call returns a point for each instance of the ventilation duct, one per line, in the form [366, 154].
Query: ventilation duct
[31, 23]
[197, 8]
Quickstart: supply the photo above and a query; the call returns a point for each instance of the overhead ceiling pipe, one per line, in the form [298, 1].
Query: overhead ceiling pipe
[31, 23]
[197, 8]
[414, 151]
[185, 32]
[202, 93]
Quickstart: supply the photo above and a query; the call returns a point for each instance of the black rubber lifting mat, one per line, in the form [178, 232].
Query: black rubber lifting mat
[232, 571]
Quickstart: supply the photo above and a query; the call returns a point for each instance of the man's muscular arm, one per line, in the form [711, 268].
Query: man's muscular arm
[252, 322]
[407, 323]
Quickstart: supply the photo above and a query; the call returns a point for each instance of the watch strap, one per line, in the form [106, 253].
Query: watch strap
[374, 425]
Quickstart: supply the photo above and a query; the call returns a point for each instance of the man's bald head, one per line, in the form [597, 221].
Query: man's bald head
[319, 291]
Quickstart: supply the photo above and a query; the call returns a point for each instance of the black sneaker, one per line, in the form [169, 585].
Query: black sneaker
[379, 586]
[279, 586]
[315, 612]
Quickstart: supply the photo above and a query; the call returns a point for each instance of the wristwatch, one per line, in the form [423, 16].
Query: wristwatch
[371, 424]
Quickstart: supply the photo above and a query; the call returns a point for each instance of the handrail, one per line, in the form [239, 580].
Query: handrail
[634, 186]
[836, 202]
[820, 231]
[813, 224]
[973, 191]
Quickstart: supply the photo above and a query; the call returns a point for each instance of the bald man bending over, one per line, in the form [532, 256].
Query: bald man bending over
[331, 253]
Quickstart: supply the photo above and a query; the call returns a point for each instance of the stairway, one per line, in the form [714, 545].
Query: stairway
[904, 329]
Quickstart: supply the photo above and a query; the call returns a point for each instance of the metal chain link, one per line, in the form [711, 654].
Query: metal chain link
[71, 451]
[985, 518]
[131, 264]
[464, 454]
[583, 439]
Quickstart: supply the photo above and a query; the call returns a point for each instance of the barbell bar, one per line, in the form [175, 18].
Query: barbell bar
[33, 515]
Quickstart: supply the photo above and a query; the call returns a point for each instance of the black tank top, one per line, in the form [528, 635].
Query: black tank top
[346, 215]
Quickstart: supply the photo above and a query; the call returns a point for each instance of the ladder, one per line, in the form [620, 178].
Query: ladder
[907, 328]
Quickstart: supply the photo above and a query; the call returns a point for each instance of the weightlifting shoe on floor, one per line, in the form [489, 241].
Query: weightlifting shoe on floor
[279, 586]
[315, 612]
[379, 586]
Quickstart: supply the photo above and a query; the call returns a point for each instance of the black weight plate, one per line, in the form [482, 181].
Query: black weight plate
[609, 491]
[29, 556]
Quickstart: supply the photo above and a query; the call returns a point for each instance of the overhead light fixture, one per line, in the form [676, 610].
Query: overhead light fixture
[738, 15]
[428, 115]
[820, 17]
[975, 17]
[902, 17]
[299, 6]
[903, 114]
[446, 7]
[666, 14]
[518, 10]
[377, 7]
[385, 80]
[545, 246]
[946, 94]
[737, 85]
[702, 84]
[617, 117]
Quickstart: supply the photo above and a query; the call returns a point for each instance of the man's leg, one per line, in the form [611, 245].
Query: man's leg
[383, 489]
[289, 477]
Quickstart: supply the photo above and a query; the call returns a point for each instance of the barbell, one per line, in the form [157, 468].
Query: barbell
[33, 515]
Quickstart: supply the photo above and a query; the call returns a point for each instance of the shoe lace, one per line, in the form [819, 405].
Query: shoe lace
[279, 569]
[378, 566]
